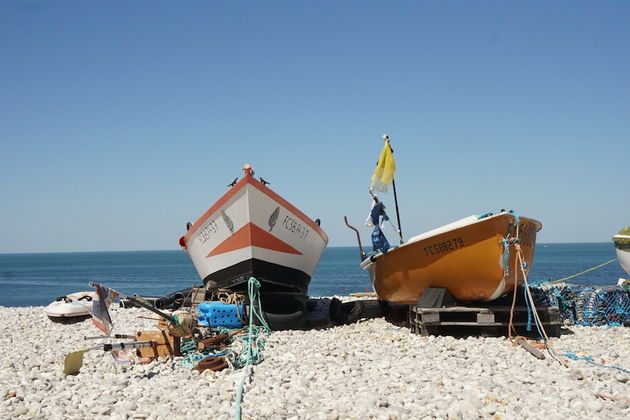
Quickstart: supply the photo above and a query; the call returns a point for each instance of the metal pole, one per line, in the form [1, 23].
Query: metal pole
[397, 212]
[144, 304]
[386, 137]
[345, 219]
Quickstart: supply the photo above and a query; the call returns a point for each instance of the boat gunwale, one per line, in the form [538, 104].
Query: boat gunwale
[366, 263]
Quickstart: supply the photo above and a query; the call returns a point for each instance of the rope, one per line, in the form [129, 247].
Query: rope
[506, 257]
[583, 272]
[519, 262]
[516, 220]
[227, 296]
[254, 341]
[539, 325]
[589, 359]
[529, 311]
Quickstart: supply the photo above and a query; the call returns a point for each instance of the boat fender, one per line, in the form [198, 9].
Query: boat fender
[373, 258]
[173, 300]
[374, 308]
[282, 322]
[345, 313]
[283, 314]
[351, 312]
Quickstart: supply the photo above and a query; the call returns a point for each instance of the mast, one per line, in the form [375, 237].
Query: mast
[387, 140]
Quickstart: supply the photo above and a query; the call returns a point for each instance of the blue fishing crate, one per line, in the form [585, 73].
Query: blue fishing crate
[219, 314]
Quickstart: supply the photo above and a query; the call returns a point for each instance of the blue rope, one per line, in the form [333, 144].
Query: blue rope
[589, 359]
[529, 311]
[529, 315]
[506, 257]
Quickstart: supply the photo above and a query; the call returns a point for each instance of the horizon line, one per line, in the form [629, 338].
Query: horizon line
[174, 249]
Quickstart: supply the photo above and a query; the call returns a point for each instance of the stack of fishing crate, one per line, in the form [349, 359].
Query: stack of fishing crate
[482, 320]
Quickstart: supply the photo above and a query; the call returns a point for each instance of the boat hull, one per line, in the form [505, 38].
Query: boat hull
[74, 305]
[624, 260]
[468, 260]
[253, 232]
[622, 247]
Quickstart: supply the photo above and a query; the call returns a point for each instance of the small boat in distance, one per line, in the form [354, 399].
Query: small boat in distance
[253, 232]
[622, 247]
[72, 307]
[467, 257]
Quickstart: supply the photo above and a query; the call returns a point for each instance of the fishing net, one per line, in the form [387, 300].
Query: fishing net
[590, 306]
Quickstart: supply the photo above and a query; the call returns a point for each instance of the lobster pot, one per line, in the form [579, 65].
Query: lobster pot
[561, 295]
[603, 306]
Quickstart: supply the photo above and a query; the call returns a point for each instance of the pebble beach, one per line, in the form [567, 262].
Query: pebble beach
[371, 369]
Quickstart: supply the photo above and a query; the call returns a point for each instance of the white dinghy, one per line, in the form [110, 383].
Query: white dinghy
[72, 307]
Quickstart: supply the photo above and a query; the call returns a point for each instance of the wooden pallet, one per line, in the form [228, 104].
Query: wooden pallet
[484, 321]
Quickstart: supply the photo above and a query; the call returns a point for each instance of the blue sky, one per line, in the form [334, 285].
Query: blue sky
[121, 121]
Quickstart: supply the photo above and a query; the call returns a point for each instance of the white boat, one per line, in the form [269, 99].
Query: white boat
[73, 306]
[253, 232]
[622, 246]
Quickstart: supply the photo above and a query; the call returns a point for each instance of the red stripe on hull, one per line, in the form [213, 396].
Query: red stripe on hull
[252, 235]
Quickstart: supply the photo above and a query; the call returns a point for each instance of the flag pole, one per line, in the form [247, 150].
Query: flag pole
[387, 140]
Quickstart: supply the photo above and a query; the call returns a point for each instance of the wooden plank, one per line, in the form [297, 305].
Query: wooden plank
[450, 309]
[430, 318]
[469, 324]
[485, 318]
[534, 351]
[493, 324]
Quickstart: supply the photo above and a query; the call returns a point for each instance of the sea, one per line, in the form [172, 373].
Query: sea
[39, 278]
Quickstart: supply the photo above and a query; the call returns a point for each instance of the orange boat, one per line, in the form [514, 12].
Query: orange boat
[468, 257]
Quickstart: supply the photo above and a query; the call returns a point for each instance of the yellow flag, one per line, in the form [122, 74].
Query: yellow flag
[385, 168]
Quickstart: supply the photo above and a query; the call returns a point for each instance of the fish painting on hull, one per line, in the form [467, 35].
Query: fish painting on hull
[228, 221]
[251, 242]
[273, 218]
